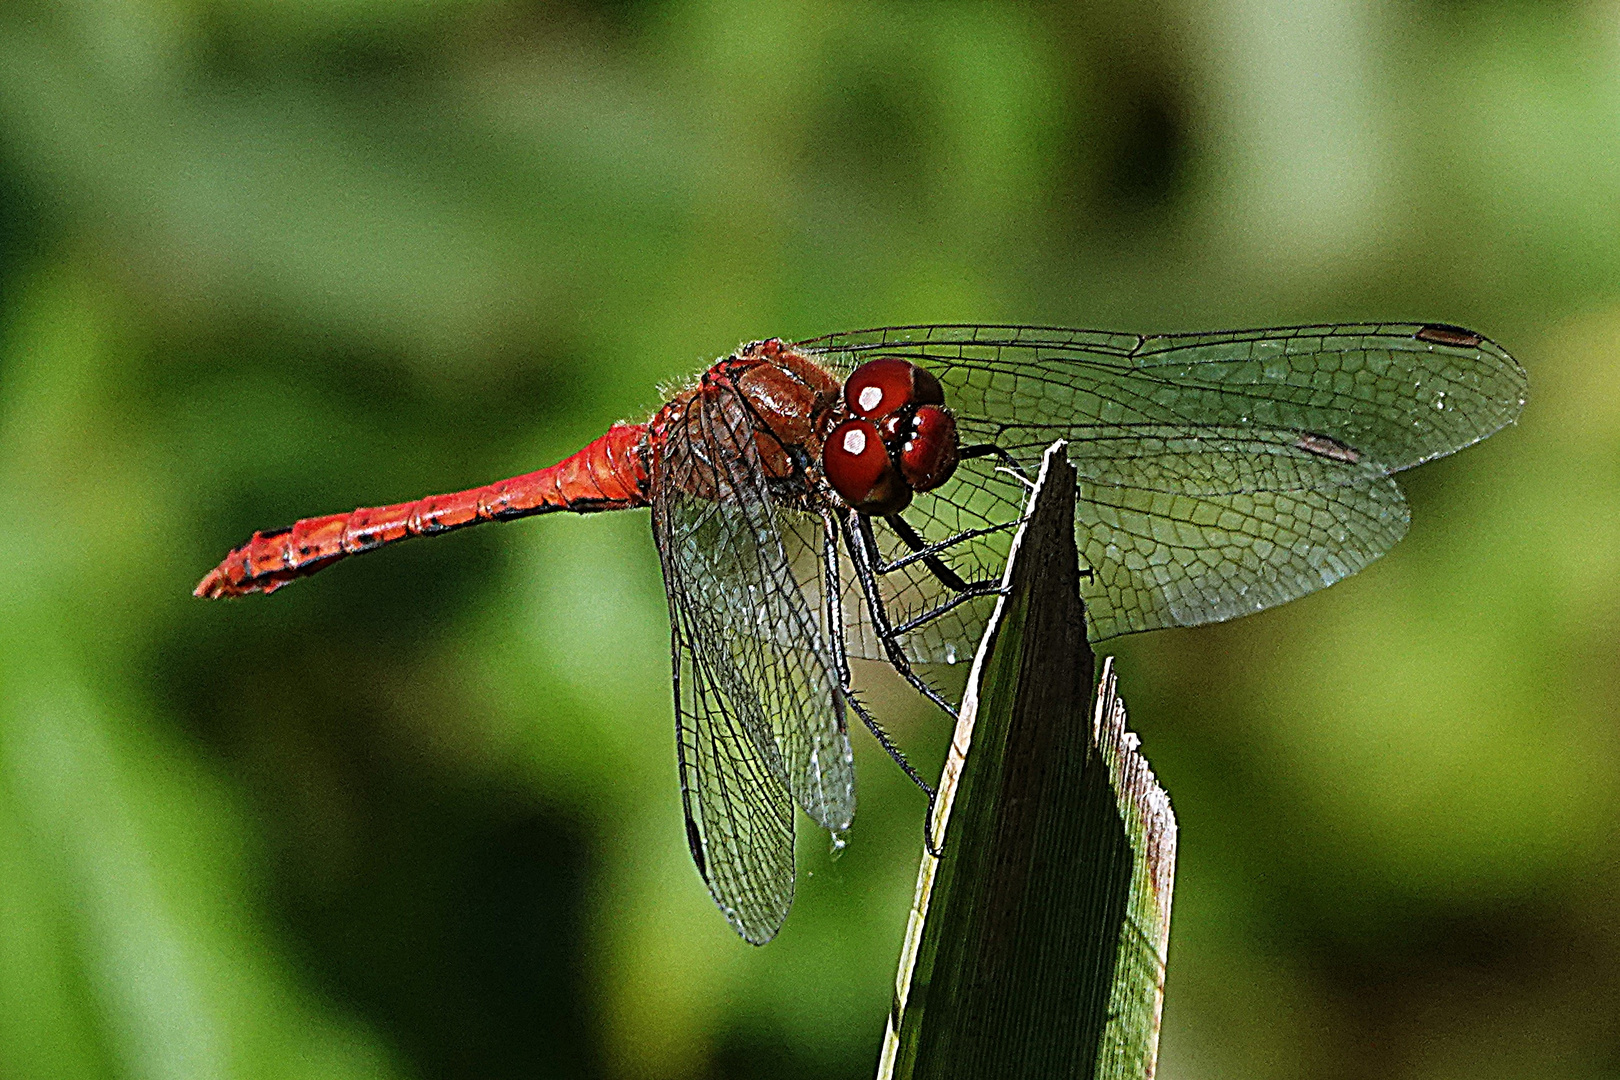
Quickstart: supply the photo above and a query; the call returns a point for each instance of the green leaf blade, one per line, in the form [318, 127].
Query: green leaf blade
[1036, 946]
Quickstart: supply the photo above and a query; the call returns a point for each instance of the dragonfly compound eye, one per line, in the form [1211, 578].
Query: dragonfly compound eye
[928, 456]
[859, 469]
[879, 387]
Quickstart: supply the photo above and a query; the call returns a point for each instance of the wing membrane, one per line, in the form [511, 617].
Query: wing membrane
[739, 816]
[759, 708]
[912, 592]
[1219, 474]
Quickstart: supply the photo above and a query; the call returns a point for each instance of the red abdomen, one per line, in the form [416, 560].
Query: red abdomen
[610, 473]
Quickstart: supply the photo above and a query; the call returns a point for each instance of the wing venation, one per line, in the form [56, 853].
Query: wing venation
[759, 708]
[1219, 473]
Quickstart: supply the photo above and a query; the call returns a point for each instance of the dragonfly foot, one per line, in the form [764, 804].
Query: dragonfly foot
[936, 850]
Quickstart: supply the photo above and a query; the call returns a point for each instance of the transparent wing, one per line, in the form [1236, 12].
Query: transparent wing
[739, 816]
[760, 711]
[1218, 473]
[947, 626]
[1165, 549]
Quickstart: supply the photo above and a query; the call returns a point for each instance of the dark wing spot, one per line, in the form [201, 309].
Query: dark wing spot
[1323, 446]
[273, 533]
[1442, 334]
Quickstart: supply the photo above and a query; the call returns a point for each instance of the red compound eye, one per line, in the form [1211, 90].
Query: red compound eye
[928, 456]
[879, 387]
[859, 469]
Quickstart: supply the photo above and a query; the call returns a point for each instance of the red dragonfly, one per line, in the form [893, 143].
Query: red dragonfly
[856, 495]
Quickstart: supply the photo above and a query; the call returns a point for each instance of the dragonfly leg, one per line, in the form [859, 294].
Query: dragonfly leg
[937, 851]
[965, 590]
[936, 566]
[979, 450]
[926, 553]
[862, 545]
[832, 593]
[835, 629]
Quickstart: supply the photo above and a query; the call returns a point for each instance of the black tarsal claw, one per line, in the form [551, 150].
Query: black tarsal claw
[937, 851]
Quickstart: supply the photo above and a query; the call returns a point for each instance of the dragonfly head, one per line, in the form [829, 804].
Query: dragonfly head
[900, 438]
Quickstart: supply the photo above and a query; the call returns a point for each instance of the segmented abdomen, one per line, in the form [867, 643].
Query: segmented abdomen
[608, 474]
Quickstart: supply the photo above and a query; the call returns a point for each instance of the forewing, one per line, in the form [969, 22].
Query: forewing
[1400, 393]
[1218, 473]
[764, 704]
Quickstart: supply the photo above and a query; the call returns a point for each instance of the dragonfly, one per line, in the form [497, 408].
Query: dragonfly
[856, 495]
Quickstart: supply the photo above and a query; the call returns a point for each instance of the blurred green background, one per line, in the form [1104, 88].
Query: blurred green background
[418, 817]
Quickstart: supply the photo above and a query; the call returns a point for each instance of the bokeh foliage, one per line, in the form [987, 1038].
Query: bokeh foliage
[418, 817]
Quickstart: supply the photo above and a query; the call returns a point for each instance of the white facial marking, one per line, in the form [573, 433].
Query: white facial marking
[855, 442]
[870, 398]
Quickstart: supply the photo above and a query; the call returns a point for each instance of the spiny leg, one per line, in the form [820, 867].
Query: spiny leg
[831, 587]
[979, 450]
[936, 566]
[928, 554]
[921, 552]
[857, 529]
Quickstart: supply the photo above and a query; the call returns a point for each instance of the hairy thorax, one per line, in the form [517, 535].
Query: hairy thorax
[787, 403]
